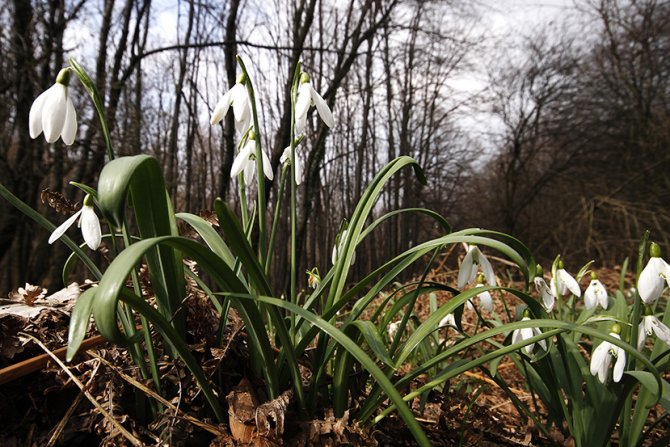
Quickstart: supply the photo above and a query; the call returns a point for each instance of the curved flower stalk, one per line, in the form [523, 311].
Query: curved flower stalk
[649, 325]
[563, 282]
[238, 98]
[595, 294]
[543, 289]
[473, 260]
[246, 162]
[529, 332]
[307, 97]
[602, 358]
[656, 273]
[87, 221]
[53, 113]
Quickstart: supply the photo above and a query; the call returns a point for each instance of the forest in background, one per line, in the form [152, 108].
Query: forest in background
[576, 159]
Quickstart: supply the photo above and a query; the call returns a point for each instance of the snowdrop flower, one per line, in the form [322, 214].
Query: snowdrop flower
[485, 299]
[650, 285]
[285, 159]
[313, 278]
[524, 334]
[448, 321]
[474, 259]
[652, 325]
[548, 297]
[88, 222]
[307, 97]
[595, 294]
[53, 113]
[562, 282]
[238, 97]
[339, 246]
[602, 358]
[246, 162]
[393, 329]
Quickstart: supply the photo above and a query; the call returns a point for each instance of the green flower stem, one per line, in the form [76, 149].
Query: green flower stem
[92, 90]
[294, 250]
[260, 177]
[275, 221]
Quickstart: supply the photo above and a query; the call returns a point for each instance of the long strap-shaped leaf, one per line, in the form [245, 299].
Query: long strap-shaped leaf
[258, 279]
[141, 177]
[359, 355]
[113, 282]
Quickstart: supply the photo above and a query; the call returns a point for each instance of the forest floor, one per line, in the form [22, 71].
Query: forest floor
[47, 407]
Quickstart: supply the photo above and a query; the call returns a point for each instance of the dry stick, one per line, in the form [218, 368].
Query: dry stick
[28, 366]
[133, 440]
[68, 414]
[210, 428]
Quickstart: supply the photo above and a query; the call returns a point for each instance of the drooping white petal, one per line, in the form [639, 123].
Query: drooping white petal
[485, 300]
[548, 298]
[221, 108]
[448, 320]
[321, 106]
[35, 117]
[70, 126]
[249, 171]
[393, 329]
[303, 101]
[242, 158]
[652, 282]
[569, 282]
[90, 227]
[595, 294]
[54, 111]
[267, 167]
[487, 269]
[600, 361]
[542, 343]
[661, 330]
[300, 124]
[465, 273]
[619, 365]
[641, 334]
[58, 232]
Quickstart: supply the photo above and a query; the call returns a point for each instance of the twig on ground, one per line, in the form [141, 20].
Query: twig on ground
[179, 414]
[126, 434]
[68, 414]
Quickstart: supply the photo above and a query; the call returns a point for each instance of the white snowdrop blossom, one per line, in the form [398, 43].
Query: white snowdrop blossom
[524, 334]
[652, 325]
[307, 97]
[339, 246]
[449, 320]
[601, 358]
[548, 297]
[652, 280]
[562, 282]
[53, 113]
[393, 329]
[485, 299]
[238, 97]
[286, 157]
[474, 259]
[246, 162]
[595, 294]
[87, 221]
